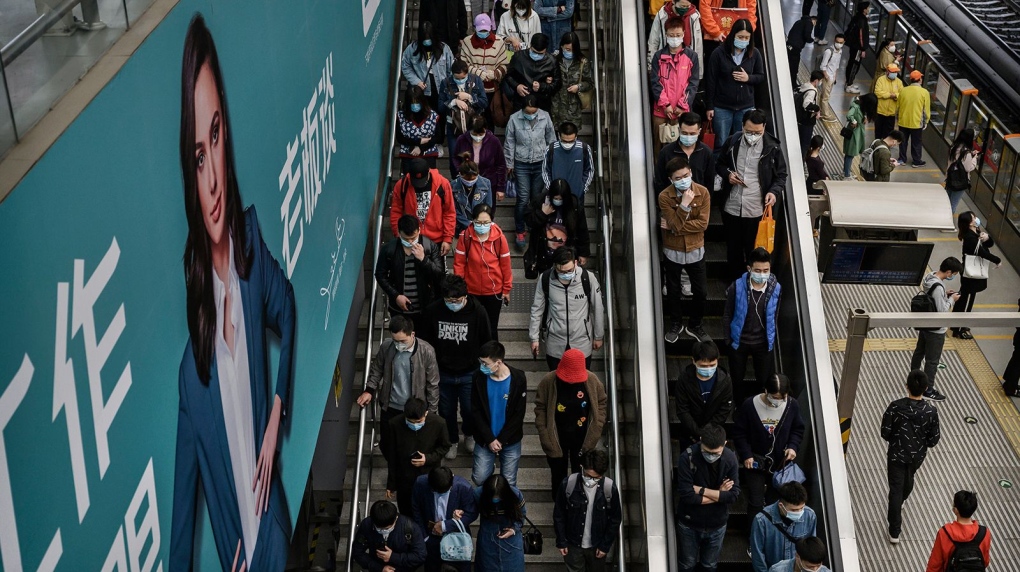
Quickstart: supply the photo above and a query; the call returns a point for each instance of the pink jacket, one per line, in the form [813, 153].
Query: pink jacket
[674, 80]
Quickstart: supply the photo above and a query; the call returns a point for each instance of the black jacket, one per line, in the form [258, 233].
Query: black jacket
[433, 440]
[456, 336]
[858, 36]
[524, 70]
[569, 515]
[971, 240]
[449, 22]
[751, 438]
[911, 427]
[406, 542]
[693, 470]
[772, 172]
[695, 413]
[801, 33]
[517, 404]
[576, 223]
[724, 91]
[389, 272]
[702, 166]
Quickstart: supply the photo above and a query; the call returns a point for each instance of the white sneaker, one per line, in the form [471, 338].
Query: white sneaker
[452, 453]
[686, 290]
[469, 445]
[822, 42]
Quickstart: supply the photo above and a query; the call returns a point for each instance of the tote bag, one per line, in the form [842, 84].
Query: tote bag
[766, 231]
[456, 546]
[974, 266]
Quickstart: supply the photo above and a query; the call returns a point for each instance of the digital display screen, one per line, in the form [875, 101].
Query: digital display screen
[877, 262]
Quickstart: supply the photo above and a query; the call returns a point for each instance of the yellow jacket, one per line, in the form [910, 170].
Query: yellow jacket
[914, 102]
[884, 90]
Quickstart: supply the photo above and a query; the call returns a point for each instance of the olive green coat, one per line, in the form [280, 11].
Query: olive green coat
[566, 106]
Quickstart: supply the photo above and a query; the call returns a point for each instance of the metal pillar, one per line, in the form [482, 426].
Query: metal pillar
[856, 335]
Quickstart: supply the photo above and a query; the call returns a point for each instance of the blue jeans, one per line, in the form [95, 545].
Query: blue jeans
[699, 547]
[555, 30]
[528, 177]
[485, 463]
[454, 389]
[726, 122]
[954, 199]
[848, 160]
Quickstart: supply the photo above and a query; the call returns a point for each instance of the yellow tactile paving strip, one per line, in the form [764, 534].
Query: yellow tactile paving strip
[985, 379]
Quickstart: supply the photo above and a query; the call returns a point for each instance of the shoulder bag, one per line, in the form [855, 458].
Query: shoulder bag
[585, 96]
[456, 546]
[974, 266]
[532, 538]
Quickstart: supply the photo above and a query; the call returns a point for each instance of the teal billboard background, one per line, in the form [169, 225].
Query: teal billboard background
[92, 299]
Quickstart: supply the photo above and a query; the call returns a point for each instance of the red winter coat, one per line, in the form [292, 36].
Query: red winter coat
[485, 266]
[943, 548]
[440, 222]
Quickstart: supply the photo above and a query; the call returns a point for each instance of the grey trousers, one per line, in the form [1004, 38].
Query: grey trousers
[928, 348]
[583, 560]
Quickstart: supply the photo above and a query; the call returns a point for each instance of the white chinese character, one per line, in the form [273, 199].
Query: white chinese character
[327, 117]
[291, 217]
[310, 154]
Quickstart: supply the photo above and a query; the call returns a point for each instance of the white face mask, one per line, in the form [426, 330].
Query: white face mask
[521, 12]
[674, 42]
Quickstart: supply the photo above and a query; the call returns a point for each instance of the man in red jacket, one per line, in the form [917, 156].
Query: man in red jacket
[957, 539]
[431, 201]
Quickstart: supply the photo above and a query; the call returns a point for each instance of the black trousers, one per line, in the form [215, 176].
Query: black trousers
[913, 137]
[852, 64]
[699, 289]
[493, 306]
[1011, 377]
[570, 463]
[761, 357]
[901, 484]
[740, 235]
[384, 426]
[757, 485]
[554, 362]
[806, 131]
[964, 304]
[884, 124]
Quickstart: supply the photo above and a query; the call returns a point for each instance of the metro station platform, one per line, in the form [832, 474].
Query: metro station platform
[980, 445]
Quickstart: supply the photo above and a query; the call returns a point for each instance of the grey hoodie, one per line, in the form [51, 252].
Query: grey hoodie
[940, 295]
[570, 318]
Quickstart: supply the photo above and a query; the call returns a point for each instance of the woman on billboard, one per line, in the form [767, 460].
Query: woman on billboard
[228, 421]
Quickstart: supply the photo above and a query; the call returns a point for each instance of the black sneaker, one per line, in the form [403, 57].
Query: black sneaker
[919, 165]
[674, 333]
[1014, 393]
[698, 333]
[934, 395]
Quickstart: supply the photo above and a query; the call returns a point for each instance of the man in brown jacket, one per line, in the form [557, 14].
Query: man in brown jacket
[684, 208]
[570, 411]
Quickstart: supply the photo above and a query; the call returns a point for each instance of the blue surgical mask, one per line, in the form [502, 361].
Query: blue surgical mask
[408, 243]
[485, 369]
[456, 306]
[565, 276]
[482, 228]
[892, 76]
[567, 55]
[496, 500]
[482, 34]
[557, 202]
[977, 221]
[684, 183]
[710, 457]
[414, 426]
[415, 107]
[759, 277]
[535, 56]
[530, 116]
[460, 81]
[706, 371]
[427, 43]
[741, 44]
[467, 183]
[795, 515]
[688, 140]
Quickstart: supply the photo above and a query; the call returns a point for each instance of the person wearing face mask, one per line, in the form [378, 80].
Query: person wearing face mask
[499, 394]
[733, 74]
[887, 89]
[815, 165]
[486, 150]
[403, 368]
[528, 136]
[767, 433]
[976, 242]
[519, 25]
[858, 38]
[808, 110]
[555, 210]
[689, 144]
[882, 160]
[486, 56]
[886, 57]
[470, 189]
[703, 394]
[417, 130]
[930, 341]
[569, 159]
[688, 12]
[461, 98]
[568, 307]
[673, 79]
[409, 269]
[534, 72]
[388, 541]
[456, 327]
[811, 554]
[425, 194]
[707, 483]
[587, 514]
[570, 412]
[684, 210]
[425, 63]
[829, 64]
[862, 110]
[417, 443]
[576, 73]
[441, 500]
[719, 18]
[778, 528]
[963, 160]
[754, 173]
[501, 514]
[749, 322]
[800, 35]
[557, 17]
[911, 426]
[482, 257]
[449, 20]
[913, 108]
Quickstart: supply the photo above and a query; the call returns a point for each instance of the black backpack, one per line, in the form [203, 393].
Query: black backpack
[804, 115]
[924, 302]
[967, 556]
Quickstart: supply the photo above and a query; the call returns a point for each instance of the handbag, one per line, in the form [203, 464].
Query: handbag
[974, 266]
[532, 538]
[585, 96]
[708, 135]
[791, 473]
[510, 191]
[669, 132]
[766, 237]
[456, 546]
[846, 132]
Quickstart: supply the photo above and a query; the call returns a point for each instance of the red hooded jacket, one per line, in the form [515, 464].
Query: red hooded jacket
[944, 547]
[485, 266]
[440, 222]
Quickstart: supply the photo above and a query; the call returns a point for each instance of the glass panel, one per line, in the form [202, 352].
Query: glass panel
[952, 111]
[931, 81]
[910, 52]
[1014, 204]
[873, 19]
[977, 118]
[1002, 185]
[7, 134]
[993, 152]
[883, 25]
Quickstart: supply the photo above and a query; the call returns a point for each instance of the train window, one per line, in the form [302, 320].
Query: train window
[1014, 204]
[932, 79]
[992, 156]
[952, 111]
[874, 17]
[1002, 184]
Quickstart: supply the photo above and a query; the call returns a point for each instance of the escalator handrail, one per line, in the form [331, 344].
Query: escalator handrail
[607, 286]
[373, 299]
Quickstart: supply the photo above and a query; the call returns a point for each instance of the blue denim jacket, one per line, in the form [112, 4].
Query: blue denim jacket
[416, 70]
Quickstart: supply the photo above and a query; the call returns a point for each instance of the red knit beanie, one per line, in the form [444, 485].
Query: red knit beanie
[571, 368]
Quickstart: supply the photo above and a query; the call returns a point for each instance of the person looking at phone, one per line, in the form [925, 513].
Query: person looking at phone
[557, 219]
[587, 514]
[409, 269]
[501, 511]
[443, 502]
[930, 341]
[388, 541]
[482, 258]
[732, 76]
[418, 442]
[568, 307]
